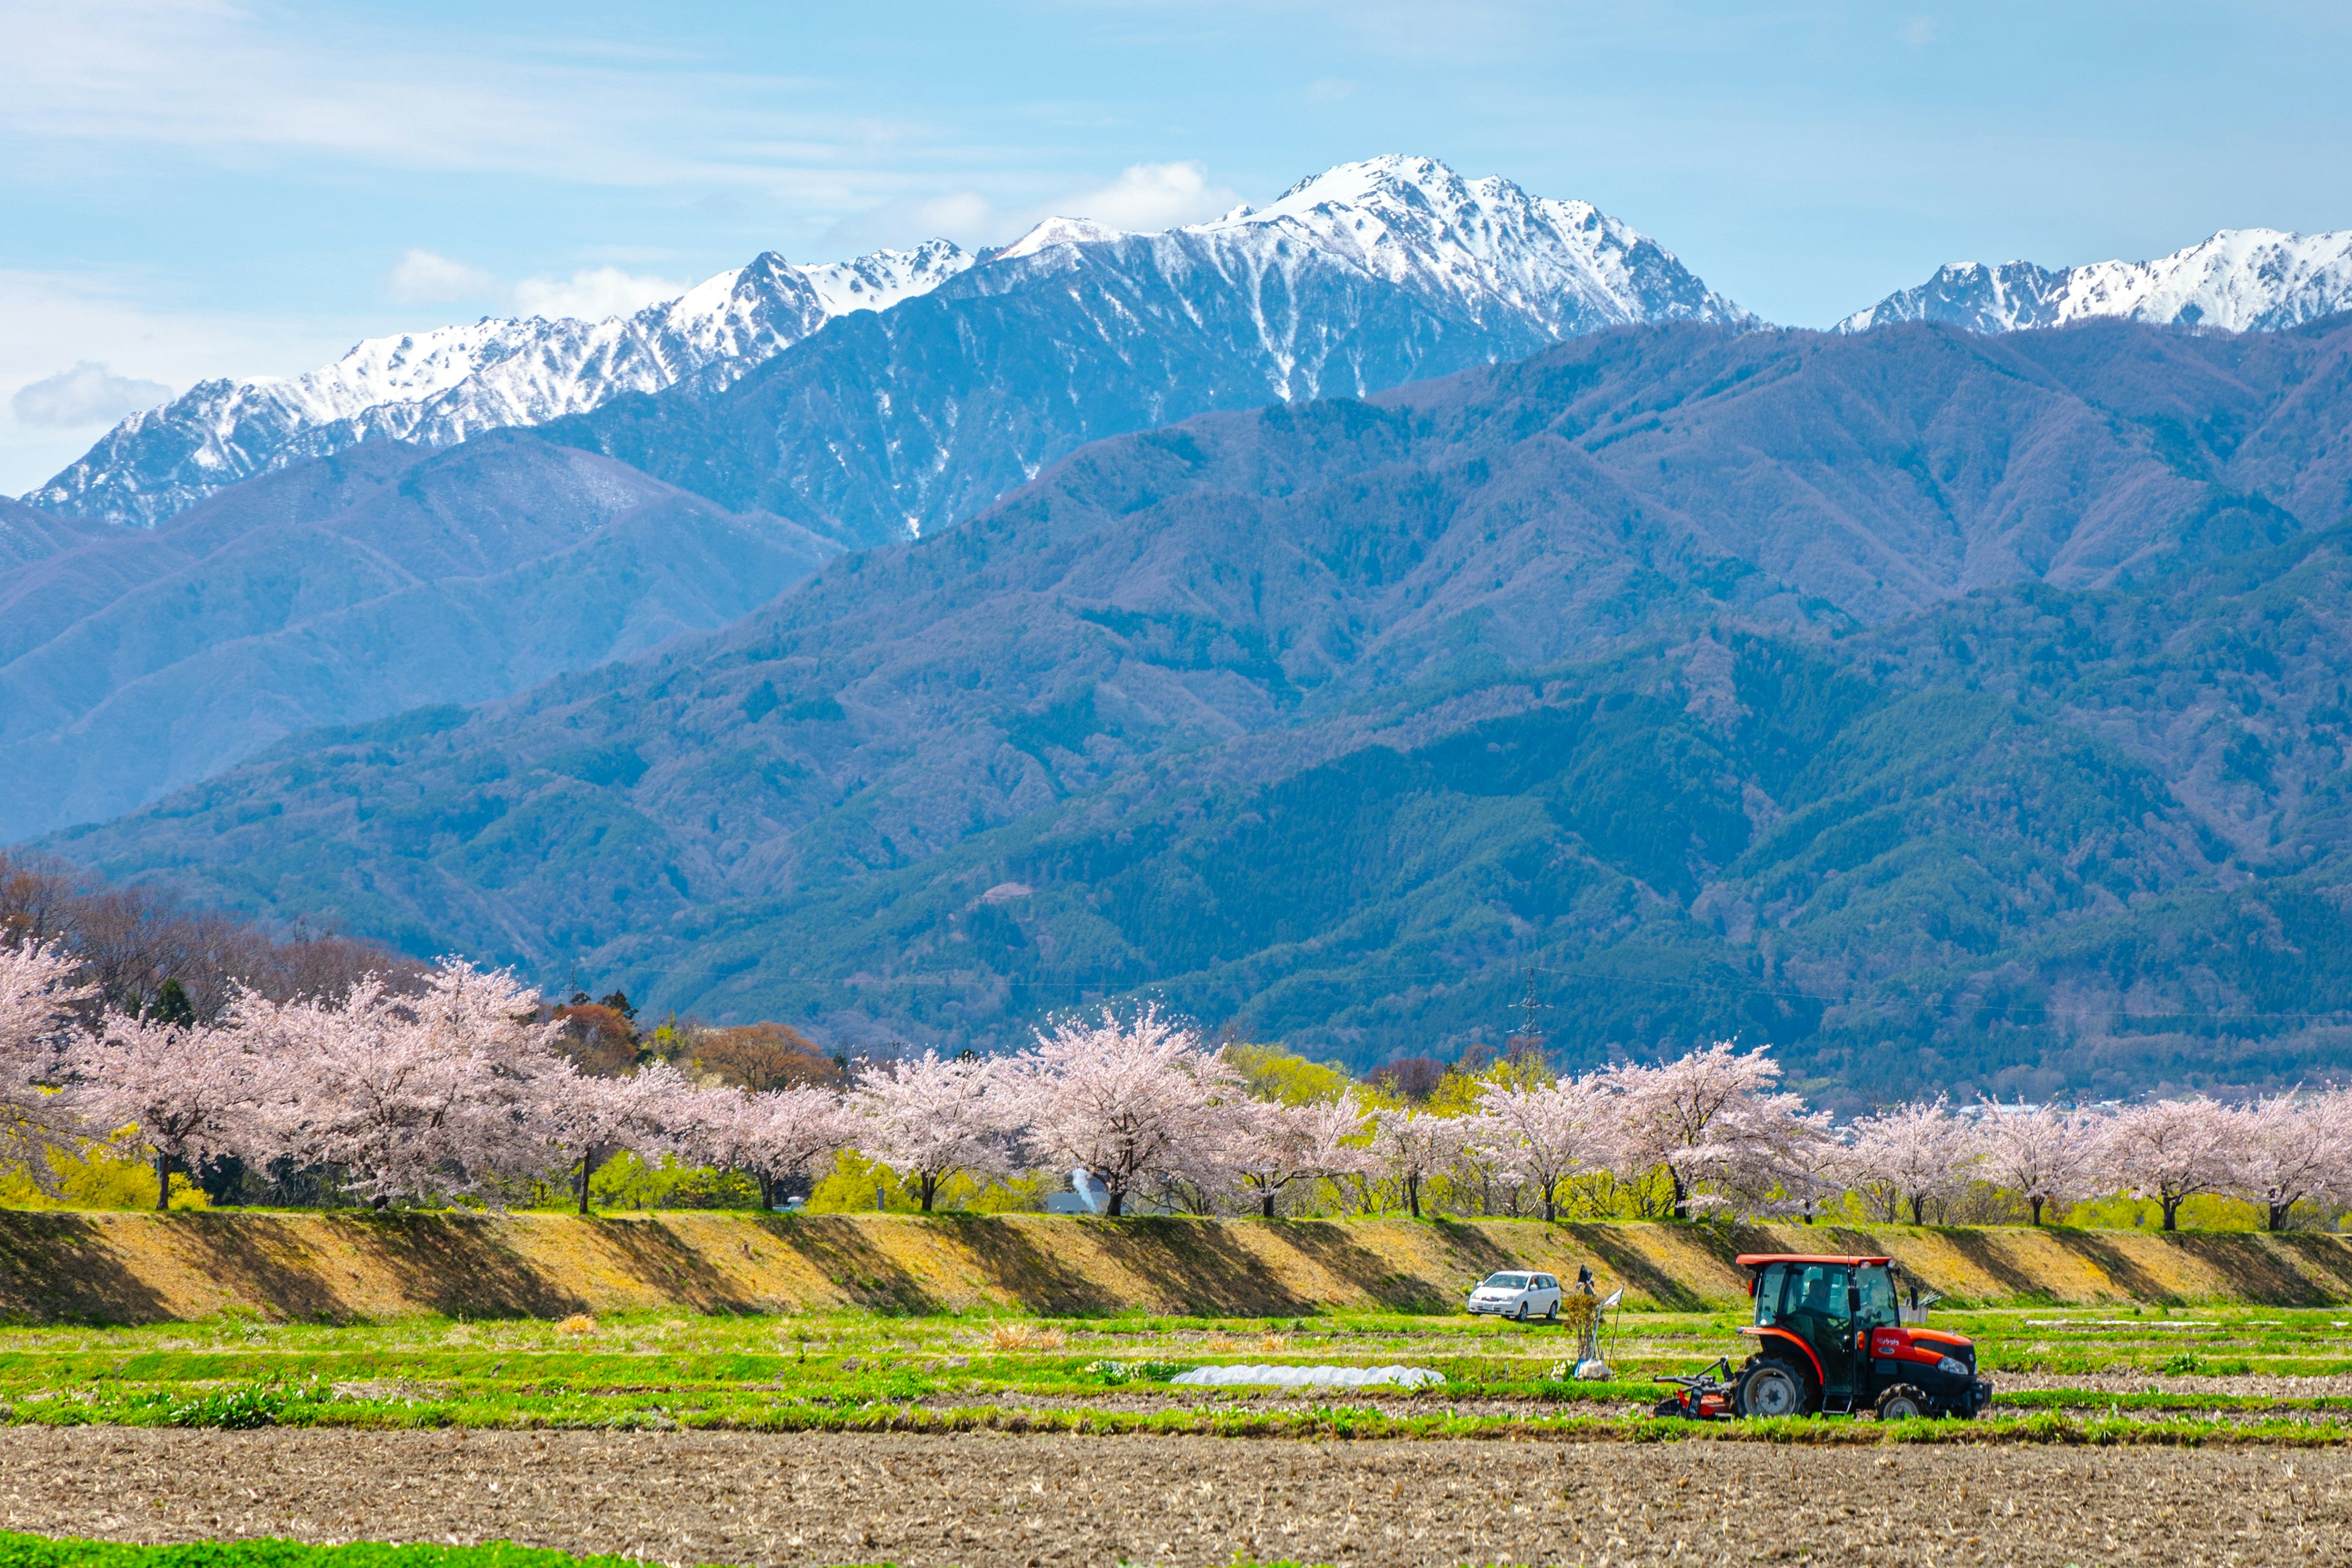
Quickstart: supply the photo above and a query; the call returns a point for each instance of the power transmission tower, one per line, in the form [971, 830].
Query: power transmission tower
[1529, 1037]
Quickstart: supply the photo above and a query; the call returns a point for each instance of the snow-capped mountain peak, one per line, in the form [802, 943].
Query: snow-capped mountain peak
[2241, 279]
[1415, 222]
[1056, 231]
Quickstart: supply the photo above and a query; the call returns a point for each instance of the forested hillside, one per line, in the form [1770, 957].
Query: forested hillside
[1948, 710]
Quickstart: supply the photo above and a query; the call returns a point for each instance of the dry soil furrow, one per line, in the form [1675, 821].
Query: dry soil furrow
[985, 1499]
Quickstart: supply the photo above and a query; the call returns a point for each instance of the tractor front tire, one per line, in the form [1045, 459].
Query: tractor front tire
[1904, 1402]
[1772, 1387]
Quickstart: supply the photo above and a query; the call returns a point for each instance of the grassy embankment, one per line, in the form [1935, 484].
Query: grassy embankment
[64, 1267]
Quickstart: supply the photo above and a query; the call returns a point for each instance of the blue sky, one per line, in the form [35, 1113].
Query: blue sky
[203, 187]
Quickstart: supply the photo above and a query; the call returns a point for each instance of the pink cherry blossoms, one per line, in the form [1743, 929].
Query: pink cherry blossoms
[448, 1086]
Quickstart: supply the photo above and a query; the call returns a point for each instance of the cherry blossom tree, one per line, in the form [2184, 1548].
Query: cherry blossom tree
[1912, 1156]
[591, 1119]
[1127, 1102]
[1548, 1133]
[1285, 1143]
[1412, 1145]
[2169, 1151]
[2282, 1150]
[2042, 1155]
[185, 1094]
[1710, 1118]
[408, 1096]
[39, 998]
[772, 1137]
[928, 1117]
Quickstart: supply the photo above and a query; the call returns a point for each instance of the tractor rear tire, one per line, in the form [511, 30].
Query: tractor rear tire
[1904, 1402]
[1772, 1387]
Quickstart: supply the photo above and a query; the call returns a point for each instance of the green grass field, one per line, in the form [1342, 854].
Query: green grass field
[2073, 1375]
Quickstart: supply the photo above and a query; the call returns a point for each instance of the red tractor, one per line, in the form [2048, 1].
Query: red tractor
[1833, 1338]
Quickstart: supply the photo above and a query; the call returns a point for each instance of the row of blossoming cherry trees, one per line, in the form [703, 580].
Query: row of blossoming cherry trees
[453, 1089]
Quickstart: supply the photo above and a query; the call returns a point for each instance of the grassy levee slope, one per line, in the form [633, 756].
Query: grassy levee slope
[58, 1267]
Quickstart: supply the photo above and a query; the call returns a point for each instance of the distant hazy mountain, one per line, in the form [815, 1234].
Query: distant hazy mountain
[441, 386]
[2244, 280]
[1341, 262]
[136, 661]
[1944, 708]
[1358, 281]
[29, 533]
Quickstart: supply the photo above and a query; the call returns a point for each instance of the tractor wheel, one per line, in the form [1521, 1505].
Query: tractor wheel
[1771, 1387]
[1903, 1401]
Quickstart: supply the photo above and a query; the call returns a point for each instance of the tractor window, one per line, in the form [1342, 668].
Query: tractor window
[1877, 1288]
[1807, 1297]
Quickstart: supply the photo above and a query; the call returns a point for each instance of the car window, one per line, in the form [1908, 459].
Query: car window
[1506, 1282]
[1544, 1281]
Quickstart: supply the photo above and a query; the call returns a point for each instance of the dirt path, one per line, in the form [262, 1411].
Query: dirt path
[986, 1500]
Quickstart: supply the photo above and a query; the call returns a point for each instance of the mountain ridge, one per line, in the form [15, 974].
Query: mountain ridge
[1473, 248]
[1735, 674]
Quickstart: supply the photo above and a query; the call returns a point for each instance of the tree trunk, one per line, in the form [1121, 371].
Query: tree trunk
[1918, 1208]
[1682, 1194]
[587, 1169]
[1117, 1202]
[163, 1184]
[1269, 1202]
[2278, 1214]
[930, 1184]
[1413, 1195]
[767, 1195]
[2037, 1209]
[1551, 1209]
[2171, 1212]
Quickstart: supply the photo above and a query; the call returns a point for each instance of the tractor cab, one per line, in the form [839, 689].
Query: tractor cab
[1838, 1334]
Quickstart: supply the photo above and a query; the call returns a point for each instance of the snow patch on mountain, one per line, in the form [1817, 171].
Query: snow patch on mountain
[2241, 279]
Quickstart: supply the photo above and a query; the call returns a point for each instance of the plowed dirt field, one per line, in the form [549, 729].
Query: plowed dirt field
[989, 1501]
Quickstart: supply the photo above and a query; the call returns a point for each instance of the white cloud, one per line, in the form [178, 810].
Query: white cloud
[51, 318]
[421, 278]
[1920, 32]
[1148, 197]
[88, 395]
[594, 293]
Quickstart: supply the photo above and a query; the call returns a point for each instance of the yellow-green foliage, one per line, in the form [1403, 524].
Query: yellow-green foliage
[97, 1180]
[1286, 1077]
[851, 1187]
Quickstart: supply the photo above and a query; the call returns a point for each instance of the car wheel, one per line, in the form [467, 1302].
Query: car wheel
[1902, 1403]
[1771, 1388]
[1521, 1315]
[1551, 1313]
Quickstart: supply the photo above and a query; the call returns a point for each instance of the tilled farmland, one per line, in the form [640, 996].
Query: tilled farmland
[985, 1501]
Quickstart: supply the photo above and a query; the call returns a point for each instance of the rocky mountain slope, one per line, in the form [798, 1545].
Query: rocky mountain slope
[1965, 695]
[441, 386]
[2241, 279]
[134, 661]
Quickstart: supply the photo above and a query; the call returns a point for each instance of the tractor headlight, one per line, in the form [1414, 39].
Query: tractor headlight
[1950, 1368]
